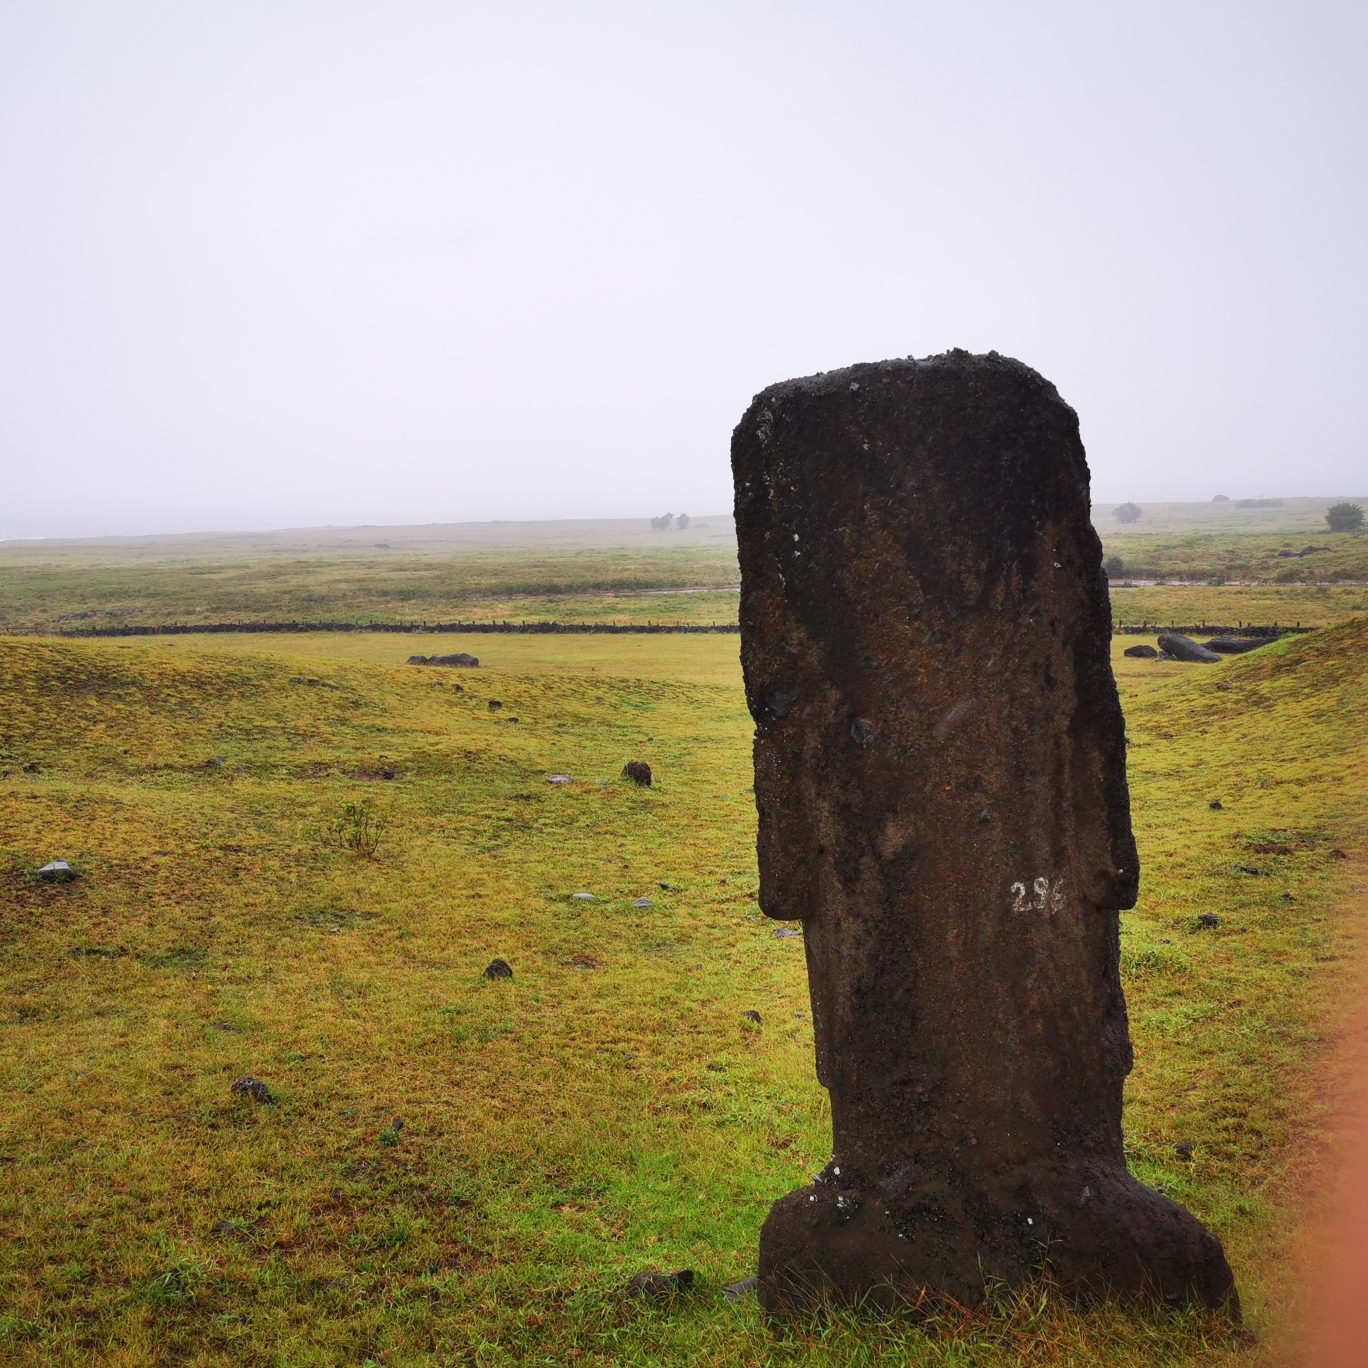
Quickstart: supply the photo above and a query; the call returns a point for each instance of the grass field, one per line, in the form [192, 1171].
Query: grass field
[612, 570]
[609, 1108]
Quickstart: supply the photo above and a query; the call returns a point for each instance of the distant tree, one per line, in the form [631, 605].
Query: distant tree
[662, 524]
[1114, 566]
[1221, 498]
[1344, 517]
[682, 522]
[1128, 513]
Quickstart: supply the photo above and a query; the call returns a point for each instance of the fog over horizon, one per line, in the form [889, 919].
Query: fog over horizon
[297, 264]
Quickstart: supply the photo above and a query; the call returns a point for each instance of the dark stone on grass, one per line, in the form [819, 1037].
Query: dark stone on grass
[1181, 647]
[661, 1286]
[734, 1292]
[1216, 805]
[754, 1016]
[1235, 645]
[498, 969]
[57, 871]
[1141, 652]
[638, 771]
[253, 1088]
[933, 517]
[459, 660]
[1246, 869]
[494, 705]
[1209, 919]
[1183, 1151]
[387, 774]
[33, 767]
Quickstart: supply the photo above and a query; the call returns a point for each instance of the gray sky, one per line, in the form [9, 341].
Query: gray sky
[294, 263]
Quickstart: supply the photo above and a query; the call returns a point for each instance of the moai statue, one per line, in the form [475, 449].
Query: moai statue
[940, 774]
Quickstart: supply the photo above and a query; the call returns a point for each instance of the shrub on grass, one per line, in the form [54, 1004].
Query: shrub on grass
[359, 830]
[1114, 566]
[1128, 512]
[1344, 517]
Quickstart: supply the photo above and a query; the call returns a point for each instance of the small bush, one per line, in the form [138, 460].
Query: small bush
[1114, 566]
[1344, 517]
[1128, 512]
[359, 830]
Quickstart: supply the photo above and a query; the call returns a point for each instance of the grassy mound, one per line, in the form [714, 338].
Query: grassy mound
[610, 1107]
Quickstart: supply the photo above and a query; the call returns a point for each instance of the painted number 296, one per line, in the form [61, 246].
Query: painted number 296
[1043, 895]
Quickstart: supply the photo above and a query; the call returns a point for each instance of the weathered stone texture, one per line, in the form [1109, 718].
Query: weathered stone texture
[941, 787]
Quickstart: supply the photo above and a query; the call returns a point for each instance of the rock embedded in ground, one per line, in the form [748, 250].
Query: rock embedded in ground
[1209, 919]
[583, 897]
[638, 771]
[642, 902]
[925, 634]
[784, 932]
[734, 1292]
[1141, 652]
[1180, 647]
[498, 969]
[1235, 645]
[494, 705]
[661, 1286]
[754, 1016]
[460, 660]
[57, 871]
[557, 778]
[253, 1088]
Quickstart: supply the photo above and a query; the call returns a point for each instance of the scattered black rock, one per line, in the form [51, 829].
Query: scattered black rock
[784, 932]
[459, 660]
[499, 969]
[1184, 1151]
[253, 1088]
[1216, 805]
[1287, 897]
[1246, 869]
[754, 1016]
[985, 816]
[1338, 854]
[661, 1286]
[1141, 652]
[57, 871]
[232, 1227]
[387, 774]
[213, 763]
[495, 705]
[1209, 919]
[642, 902]
[638, 771]
[1181, 647]
[33, 767]
[1235, 645]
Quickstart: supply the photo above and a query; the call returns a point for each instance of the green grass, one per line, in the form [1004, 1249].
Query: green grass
[577, 572]
[609, 1108]
[65, 587]
[1201, 557]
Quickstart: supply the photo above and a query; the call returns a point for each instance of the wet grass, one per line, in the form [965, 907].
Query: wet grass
[609, 1108]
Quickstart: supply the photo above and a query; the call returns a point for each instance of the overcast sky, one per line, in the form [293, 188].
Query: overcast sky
[286, 264]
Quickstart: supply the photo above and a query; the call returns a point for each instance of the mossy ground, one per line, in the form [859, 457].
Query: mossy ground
[609, 1108]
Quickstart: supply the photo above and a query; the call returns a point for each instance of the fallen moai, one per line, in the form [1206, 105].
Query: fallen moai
[1180, 647]
[941, 788]
[1236, 645]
